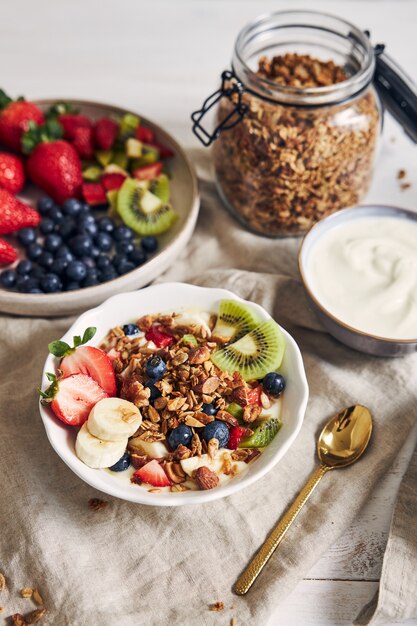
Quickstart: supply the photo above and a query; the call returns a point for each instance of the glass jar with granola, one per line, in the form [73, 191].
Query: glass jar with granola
[301, 121]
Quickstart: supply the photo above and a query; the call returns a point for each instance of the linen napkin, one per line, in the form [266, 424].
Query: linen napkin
[127, 564]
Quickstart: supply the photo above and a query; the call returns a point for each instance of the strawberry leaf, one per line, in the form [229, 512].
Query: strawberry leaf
[89, 333]
[4, 99]
[60, 108]
[36, 134]
[59, 348]
[49, 394]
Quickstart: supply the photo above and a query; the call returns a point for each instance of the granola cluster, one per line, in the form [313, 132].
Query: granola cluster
[283, 168]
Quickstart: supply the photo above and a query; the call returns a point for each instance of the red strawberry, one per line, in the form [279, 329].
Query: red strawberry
[111, 182]
[160, 339]
[153, 474]
[83, 142]
[7, 253]
[12, 174]
[94, 363]
[70, 123]
[15, 214]
[147, 172]
[105, 133]
[164, 151]
[254, 395]
[94, 194]
[56, 168]
[15, 118]
[235, 436]
[73, 398]
[144, 134]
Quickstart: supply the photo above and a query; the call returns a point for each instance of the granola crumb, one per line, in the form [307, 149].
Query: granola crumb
[155, 490]
[35, 616]
[26, 592]
[18, 619]
[2, 582]
[233, 621]
[37, 597]
[2, 609]
[405, 186]
[95, 504]
[216, 606]
[401, 174]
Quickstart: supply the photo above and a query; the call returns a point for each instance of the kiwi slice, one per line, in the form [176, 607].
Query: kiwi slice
[104, 157]
[262, 435]
[130, 208]
[92, 173]
[234, 320]
[160, 188]
[255, 354]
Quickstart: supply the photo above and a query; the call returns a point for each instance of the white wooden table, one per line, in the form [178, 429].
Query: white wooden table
[163, 58]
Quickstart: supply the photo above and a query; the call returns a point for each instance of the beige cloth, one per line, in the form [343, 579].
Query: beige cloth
[129, 564]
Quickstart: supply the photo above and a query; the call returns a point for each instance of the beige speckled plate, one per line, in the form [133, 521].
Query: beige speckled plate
[185, 200]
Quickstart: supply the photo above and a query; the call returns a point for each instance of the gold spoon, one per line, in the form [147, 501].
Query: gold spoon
[342, 441]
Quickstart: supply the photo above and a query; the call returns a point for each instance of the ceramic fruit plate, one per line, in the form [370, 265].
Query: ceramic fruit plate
[170, 297]
[184, 198]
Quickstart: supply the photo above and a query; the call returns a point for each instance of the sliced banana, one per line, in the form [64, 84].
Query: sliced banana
[95, 452]
[113, 419]
[154, 449]
[200, 319]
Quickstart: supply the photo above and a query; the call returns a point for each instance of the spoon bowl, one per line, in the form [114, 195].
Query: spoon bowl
[345, 437]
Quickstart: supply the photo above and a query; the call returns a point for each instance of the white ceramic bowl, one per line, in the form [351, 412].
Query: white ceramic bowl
[185, 200]
[170, 297]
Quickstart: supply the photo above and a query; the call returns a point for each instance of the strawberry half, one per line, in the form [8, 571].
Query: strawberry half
[83, 142]
[153, 474]
[235, 436]
[254, 395]
[14, 120]
[147, 172]
[160, 339]
[144, 134]
[112, 182]
[164, 151]
[94, 194]
[15, 214]
[7, 253]
[72, 398]
[70, 123]
[12, 174]
[105, 133]
[94, 363]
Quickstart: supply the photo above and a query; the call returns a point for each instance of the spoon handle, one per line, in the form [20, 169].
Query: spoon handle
[256, 565]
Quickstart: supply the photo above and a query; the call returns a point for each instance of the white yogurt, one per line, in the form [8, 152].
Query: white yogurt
[364, 272]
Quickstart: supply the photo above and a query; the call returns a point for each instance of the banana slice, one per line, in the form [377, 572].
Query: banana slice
[200, 319]
[113, 419]
[154, 449]
[95, 452]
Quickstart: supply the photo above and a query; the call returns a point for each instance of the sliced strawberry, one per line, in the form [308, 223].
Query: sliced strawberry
[164, 151]
[254, 395]
[147, 172]
[153, 474]
[144, 134]
[12, 174]
[71, 123]
[160, 339]
[83, 142]
[94, 363]
[15, 214]
[112, 182]
[235, 436]
[75, 397]
[94, 194]
[105, 133]
[7, 253]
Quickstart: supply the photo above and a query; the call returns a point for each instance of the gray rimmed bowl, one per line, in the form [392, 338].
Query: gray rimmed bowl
[364, 342]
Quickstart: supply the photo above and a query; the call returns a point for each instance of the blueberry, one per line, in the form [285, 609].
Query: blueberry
[273, 384]
[123, 233]
[118, 258]
[44, 204]
[55, 214]
[25, 283]
[91, 280]
[52, 242]
[155, 393]
[85, 209]
[64, 253]
[37, 272]
[76, 270]
[103, 261]
[46, 226]
[124, 247]
[104, 242]
[35, 290]
[24, 267]
[217, 430]
[67, 227]
[72, 207]
[130, 329]
[72, 286]
[109, 273]
[8, 278]
[81, 245]
[95, 252]
[87, 225]
[155, 367]
[138, 257]
[26, 236]
[182, 434]
[105, 225]
[125, 266]
[122, 464]
[45, 259]
[149, 244]
[89, 262]
[60, 265]
[34, 251]
[51, 283]
[209, 409]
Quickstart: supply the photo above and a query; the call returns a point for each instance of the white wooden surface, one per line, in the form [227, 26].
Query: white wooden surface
[162, 58]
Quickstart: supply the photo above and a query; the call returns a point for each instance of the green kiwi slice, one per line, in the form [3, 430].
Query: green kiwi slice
[255, 354]
[160, 188]
[129, 207]
[234, 320]
[262, 435]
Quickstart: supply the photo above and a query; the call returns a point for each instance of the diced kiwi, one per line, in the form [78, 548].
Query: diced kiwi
[190, 340]
[104, 157]
[130, 208]
[149, 155]
[234, 320]
[236, 410]
[128, 125]
[92, 173]
[134, 148]
[255, 354]
[120, 159]
[160, 188]
[112, 198]
[262, 435]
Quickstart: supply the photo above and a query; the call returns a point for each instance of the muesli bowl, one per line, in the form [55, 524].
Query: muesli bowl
[177, 297]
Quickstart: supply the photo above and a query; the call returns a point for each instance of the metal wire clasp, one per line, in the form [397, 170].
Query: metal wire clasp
[233, 118]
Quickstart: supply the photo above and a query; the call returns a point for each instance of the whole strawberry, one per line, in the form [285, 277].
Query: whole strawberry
[15, 215]
[15, 116]
[12, 174]
[7, 253]
[53, 164]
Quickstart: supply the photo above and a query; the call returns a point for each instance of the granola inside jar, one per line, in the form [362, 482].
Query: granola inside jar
[310, 119]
